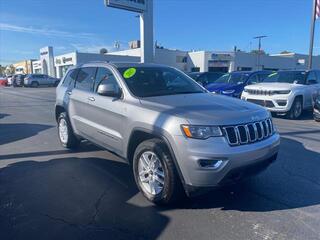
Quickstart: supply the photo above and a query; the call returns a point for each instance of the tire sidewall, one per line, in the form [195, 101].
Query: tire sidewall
[294, 105]
[71, 141]
[163, 155]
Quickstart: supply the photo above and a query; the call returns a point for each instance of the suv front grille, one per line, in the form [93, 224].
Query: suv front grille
[259, 92]
[248, 133]
[264, 103]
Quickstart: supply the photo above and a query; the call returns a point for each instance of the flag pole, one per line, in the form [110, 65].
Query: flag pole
[312, 33]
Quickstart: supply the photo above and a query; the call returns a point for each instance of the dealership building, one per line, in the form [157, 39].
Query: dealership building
[187, 61]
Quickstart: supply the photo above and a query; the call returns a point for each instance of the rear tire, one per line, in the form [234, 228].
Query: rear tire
[34, 84]
[296, 109]
[169, 187]
[65, 132]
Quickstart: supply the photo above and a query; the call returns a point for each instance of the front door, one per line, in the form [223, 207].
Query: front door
[107, 114]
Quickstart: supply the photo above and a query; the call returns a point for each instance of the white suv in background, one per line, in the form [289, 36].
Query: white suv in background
[285, 92]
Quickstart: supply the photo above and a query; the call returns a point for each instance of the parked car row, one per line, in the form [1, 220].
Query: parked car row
[3, 81]
[30, 80]
[286, 92]
[229, 84]
[283, 93]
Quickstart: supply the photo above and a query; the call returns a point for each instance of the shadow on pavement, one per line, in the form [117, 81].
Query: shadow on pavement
[306, 115]
[11, 132]
[74, 198]
[92, 198]
[85, 147]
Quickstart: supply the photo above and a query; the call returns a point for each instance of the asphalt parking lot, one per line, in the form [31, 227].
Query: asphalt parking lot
[47, 192]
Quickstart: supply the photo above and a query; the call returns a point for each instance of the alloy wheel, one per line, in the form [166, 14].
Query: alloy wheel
[151, 173]
[63, 131]
[297, 109]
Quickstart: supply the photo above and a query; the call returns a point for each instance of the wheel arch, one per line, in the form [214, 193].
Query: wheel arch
[58, 110]
[300, 96]
[139, 135]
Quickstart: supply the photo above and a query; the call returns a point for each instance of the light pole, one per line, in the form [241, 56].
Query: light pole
[259, 48]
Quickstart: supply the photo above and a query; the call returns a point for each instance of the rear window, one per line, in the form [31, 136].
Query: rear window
[70, 78]
[298, 77]
[85, 78]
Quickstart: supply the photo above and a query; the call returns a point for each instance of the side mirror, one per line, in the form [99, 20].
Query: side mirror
[109, 90]
[312, 81]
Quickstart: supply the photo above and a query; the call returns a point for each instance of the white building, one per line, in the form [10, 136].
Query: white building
[57, 66]
[242, 61]
[194, 61]
[171, 57]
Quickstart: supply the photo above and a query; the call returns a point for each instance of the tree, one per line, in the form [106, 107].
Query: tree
[10, 70]
[262, 52]
[285, 52]
[103, 51]
[2, 70]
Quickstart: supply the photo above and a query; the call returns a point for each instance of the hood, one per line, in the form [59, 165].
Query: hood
[273, 86]
[221, 86]
[206, 108]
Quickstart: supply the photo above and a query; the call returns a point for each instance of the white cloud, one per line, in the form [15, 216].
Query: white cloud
[44, 31]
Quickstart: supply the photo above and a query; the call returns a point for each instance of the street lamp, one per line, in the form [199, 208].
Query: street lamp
[259, 48]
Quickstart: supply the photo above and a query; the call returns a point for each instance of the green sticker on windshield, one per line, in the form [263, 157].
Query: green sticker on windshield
[272, 74]
[130, 72]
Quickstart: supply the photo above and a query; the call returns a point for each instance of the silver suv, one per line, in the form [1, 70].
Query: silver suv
[36, 80]
[178, 137]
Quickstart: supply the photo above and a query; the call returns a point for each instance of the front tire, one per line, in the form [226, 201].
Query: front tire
[296, 109]
[155, 173]
[66, 135]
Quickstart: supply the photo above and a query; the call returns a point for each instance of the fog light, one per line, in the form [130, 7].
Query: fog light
[282, 103]
[213, 164]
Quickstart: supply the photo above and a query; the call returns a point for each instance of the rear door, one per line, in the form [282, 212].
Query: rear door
[42, 79]
[107, 114]
[79, 102]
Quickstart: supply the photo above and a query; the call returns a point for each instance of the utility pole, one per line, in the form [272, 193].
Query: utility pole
[313, 19]
[259, 48]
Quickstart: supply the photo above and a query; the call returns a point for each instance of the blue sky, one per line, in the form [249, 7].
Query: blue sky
[87, 25]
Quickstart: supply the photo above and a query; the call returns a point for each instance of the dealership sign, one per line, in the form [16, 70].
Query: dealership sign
[130, 5]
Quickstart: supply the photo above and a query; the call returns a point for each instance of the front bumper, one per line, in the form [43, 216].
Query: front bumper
[274, 103]
[189, 152]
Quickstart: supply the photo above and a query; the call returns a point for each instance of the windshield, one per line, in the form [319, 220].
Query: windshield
[287, 77]
[194, 76]
[233, 78]
[158, 81]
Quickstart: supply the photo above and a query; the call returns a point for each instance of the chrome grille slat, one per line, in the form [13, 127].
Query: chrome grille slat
[243, 134]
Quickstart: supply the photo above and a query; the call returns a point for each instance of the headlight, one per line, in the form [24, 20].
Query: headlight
[228, 91]
[282, 92]
[201, 132]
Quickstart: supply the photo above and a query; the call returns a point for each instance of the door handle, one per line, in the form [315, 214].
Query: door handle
[69, 93]
[91, 99]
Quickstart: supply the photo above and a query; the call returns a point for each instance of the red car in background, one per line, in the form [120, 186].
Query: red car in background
[3, 81]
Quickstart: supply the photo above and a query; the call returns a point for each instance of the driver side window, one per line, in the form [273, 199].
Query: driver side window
[105, 76]
[254, 79]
